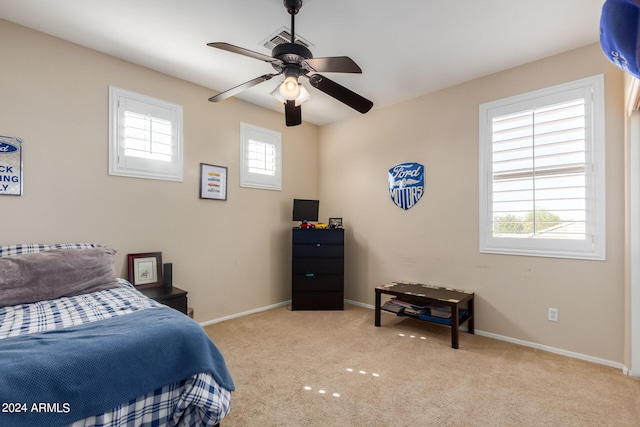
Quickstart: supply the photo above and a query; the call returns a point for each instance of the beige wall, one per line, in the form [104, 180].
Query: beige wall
[231, 256]
[234, 256]
[436, 241]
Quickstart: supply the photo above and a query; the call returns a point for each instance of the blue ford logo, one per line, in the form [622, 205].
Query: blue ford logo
[406, 184]
[5, 147]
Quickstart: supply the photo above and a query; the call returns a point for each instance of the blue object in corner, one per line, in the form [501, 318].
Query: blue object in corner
[620, 34]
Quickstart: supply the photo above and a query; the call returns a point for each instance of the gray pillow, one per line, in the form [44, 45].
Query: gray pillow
[53, 274]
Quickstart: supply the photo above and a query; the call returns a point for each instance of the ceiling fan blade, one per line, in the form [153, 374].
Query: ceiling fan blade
[240, 50]
[292, 113]
[333, 64]
[235, 90]
[340, 93]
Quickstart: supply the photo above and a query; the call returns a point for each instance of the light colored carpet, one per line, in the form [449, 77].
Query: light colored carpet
[334, 368]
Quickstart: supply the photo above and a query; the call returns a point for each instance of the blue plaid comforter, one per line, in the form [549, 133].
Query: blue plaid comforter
[195, 401]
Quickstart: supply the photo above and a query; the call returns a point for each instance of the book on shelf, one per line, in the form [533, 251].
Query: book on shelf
[390, 306]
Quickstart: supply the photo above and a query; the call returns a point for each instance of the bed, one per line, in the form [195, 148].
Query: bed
[81, 347]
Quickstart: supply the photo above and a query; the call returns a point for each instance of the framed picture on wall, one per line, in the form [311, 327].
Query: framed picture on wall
[213, 182]
[145, 269]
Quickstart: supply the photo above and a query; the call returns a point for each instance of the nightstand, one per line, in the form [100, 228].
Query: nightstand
[174, 297]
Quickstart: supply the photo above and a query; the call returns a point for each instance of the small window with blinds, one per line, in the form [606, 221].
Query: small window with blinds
[260, 158]
[542, 172]
[145, 136]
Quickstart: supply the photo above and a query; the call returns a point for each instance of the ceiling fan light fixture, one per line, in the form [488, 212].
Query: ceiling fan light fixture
[290, 89]
[304, 96]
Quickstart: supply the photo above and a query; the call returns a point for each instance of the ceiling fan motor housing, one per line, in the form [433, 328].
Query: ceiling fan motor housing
[291, 53]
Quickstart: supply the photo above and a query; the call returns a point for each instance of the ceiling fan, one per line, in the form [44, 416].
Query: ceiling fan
[294, 60]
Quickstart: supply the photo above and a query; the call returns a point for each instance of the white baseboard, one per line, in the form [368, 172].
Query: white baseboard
[555, 350]
[245, 313]
[360, 304]
[552, 350]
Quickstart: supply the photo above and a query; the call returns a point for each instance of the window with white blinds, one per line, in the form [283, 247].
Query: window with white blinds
[145, 136]
[260, 158]
[542, 172]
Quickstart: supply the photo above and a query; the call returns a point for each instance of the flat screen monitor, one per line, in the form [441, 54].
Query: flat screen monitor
[305, 210]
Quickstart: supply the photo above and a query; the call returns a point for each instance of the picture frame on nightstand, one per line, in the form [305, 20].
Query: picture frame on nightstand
[145, 269]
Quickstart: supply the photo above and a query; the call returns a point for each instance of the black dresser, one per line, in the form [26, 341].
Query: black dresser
[317, 281]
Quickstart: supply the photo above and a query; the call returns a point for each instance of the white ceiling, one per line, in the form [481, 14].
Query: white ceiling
[406, 48]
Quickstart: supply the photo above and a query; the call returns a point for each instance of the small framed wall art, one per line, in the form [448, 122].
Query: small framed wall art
[145, 270]
[213, 182]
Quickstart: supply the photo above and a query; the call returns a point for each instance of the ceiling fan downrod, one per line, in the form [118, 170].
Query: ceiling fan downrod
[293, 6]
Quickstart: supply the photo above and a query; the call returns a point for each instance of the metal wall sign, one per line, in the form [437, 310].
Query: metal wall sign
[10, 166]
[406, 184]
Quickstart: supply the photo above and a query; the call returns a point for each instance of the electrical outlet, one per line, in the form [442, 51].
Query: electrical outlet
[553, 314]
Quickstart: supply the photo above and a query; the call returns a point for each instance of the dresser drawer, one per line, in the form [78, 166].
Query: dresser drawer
[317, 282]
[318, 250]
[318, 266]
[312, 236]
[317, 301]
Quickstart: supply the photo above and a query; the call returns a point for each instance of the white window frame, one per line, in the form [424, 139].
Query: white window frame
[634, 231]
[121, 102]
[593, 246]
[271, 176]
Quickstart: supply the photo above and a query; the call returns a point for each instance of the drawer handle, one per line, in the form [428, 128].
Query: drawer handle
[318, 245]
